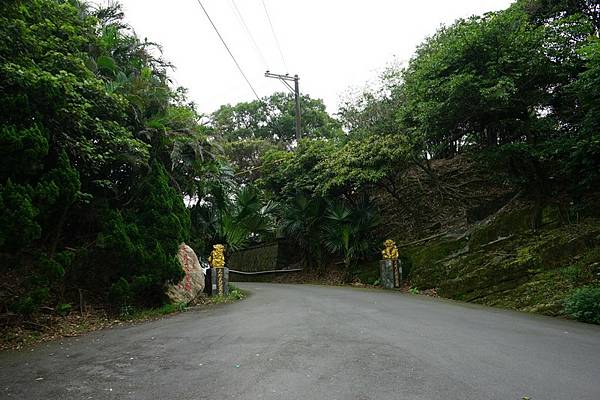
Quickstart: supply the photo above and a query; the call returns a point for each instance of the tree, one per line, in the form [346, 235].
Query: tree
[273, 119]
[96, 155]
[249, 130]
[479, 82]
[241, 218]
[545, 11]
[373, 110]
[302, 221]
[246, 155]
[138, 245]
[285, 174]
[349, 230]
[583, 163]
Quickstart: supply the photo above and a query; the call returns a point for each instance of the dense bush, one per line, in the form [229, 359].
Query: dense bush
[584, 304]
[134, 254]
[91, 189]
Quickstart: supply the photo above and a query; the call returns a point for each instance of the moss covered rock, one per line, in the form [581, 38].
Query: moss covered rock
[507, 264]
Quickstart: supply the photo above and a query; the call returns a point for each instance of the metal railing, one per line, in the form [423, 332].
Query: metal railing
[273, 271]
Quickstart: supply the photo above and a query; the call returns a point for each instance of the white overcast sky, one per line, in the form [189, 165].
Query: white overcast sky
[333, 45]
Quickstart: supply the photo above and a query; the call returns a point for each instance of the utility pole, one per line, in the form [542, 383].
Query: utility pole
[296, 90]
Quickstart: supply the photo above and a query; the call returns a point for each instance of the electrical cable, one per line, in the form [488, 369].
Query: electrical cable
[228, 50]
[274, 35]
[249, 33]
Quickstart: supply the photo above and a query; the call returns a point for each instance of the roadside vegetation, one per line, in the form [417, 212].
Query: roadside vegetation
[480, 157]
[54, 327]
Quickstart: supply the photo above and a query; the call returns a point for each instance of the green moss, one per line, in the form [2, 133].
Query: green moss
[528, 258]
[585, 269]
[553, 215]
[424, 261]
[541, 293]
[504, 225]
[530, 270]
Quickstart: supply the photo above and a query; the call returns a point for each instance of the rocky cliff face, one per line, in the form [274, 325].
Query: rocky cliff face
[502, 261]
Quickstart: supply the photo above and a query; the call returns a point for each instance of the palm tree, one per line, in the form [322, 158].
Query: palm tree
[301, 222]
[235, 220]
[247, 219]
[348, 229]
[339, 232]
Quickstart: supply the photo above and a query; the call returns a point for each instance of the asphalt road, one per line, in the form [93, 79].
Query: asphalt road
[312, 342]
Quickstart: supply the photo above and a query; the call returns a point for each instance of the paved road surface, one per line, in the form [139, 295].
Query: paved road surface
[310, 342]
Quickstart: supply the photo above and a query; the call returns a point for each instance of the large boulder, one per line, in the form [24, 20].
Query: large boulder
[192, 283]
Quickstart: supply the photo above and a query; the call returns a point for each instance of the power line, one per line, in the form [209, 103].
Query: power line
[228, 50]
[274, 35]
[249, 33]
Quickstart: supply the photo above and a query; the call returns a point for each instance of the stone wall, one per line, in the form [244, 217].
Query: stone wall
[279, 254]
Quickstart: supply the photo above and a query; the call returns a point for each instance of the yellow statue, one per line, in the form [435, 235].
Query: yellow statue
[391, 251]
[217, 258]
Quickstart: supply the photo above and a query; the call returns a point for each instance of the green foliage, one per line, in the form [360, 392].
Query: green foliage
[373, 112]
[234, 294]
[27, 305]
[376, 161]
[301, 221]
[583, 152]
[476, 82]
[585, 270]
[63, 309]
[323, 227]
[248, 131]
[522, 79]
[17, 217]
[583, 304]
[285, 173]
[247, 157]
[348, 230]
[273, 119]
[23, 150]
[96, 154]
[242, 219]
[145, 239]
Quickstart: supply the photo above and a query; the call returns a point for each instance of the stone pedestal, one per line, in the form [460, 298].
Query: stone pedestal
[219, 281]
[390, 273]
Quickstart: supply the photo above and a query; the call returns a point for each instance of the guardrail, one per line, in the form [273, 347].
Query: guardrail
[265, 272]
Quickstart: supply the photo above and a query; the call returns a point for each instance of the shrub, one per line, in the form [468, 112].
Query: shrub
[63, 309]
[414, 290]
[583, 304]
[137, 247]
[235, 293]
[28, 304]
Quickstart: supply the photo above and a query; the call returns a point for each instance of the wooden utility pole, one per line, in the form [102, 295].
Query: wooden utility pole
[296, 90]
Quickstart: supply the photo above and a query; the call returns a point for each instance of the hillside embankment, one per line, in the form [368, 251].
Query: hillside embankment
[467, 234]
[504, 261]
